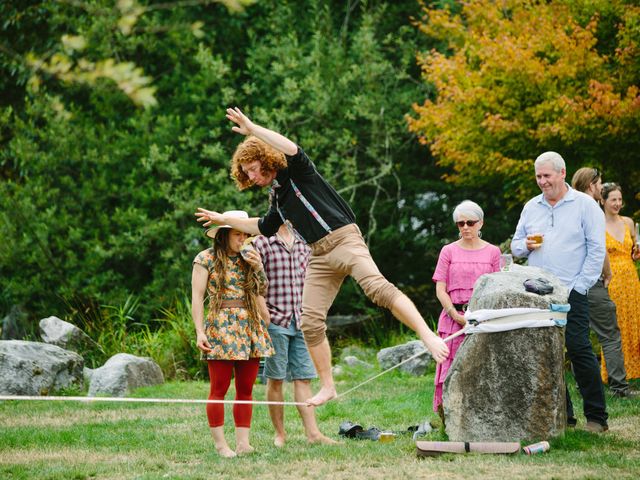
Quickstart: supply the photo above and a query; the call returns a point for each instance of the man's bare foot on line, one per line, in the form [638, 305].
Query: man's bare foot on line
[323, 396]
[319, 438]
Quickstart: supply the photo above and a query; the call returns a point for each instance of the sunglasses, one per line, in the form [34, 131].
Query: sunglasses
[469, 223]
[596, 174]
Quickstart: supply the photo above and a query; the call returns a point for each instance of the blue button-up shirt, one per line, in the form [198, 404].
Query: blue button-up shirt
[574, 238]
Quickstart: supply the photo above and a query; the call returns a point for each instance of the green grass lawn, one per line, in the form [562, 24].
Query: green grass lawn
[73, 440]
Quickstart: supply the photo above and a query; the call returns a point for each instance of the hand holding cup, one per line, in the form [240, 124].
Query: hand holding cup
[250, 254]
[534, 241]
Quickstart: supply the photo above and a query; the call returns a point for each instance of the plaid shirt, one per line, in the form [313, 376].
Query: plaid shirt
[285, 271]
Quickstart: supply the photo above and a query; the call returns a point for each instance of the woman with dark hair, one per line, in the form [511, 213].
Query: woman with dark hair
[234, 335]
[602, 311]
[624, 288]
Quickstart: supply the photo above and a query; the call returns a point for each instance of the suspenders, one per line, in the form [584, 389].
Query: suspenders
[305, 202]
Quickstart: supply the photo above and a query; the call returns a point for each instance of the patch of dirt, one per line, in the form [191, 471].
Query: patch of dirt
[22, 456]
[625, 427]
[84, 416]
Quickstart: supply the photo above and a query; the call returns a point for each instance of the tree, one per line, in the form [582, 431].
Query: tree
[38, 54]
[516, 78]
[98, 195]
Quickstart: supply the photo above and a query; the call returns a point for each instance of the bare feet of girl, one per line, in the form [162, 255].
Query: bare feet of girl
[225, 451]
[243, 449]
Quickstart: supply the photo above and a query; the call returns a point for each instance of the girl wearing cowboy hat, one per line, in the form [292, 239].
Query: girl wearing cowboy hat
[234, 336]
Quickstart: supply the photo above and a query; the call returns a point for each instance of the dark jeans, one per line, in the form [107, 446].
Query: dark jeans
[585, 365]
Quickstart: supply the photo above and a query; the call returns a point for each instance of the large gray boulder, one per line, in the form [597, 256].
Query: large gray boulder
[505, 290]
[122, 374]
[508, 386]
[34, 368]
[388, 357]
[66, 335]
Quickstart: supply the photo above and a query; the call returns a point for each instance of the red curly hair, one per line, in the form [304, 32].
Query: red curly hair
[250, 150]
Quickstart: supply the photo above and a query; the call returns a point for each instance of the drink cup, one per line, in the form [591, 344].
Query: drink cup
[506, 260]
[386, 437]
[247, 247]
[538, 238]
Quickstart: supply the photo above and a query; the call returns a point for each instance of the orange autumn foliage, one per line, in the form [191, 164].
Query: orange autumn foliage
[515, 78]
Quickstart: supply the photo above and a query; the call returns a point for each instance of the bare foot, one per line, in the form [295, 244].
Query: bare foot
[244, 449]
[226, 452]
[323, 396]
[320, 438]
[279, 441]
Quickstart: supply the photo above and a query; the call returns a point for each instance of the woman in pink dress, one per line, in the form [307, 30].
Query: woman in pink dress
[459, 265]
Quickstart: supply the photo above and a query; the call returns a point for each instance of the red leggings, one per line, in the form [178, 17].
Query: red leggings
[246, 372]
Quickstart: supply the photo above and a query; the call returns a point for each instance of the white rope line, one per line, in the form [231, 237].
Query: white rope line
[193, 401]
[249, 402]
[143, 400]
[451, 337]
[467, 327]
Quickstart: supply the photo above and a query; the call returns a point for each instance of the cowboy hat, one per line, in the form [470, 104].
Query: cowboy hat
[211, 233]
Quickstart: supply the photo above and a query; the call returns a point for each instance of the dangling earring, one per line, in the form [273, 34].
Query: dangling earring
[459, 234]
[479, 233]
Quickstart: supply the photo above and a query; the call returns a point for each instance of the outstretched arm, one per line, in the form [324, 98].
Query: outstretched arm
[247, 225]
[244, 126]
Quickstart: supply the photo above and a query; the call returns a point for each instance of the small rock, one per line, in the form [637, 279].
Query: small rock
[123, 373]
[356, 362]
[66, 335]
[388, 357]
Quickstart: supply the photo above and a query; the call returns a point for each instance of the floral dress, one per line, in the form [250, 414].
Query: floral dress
[624, 290]
[232, 334]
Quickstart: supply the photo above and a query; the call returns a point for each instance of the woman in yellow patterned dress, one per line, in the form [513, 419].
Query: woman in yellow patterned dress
[234, 335]
[624, 288]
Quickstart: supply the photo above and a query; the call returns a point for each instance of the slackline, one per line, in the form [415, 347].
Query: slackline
[491, 321]
[503, 319]
[142, 400]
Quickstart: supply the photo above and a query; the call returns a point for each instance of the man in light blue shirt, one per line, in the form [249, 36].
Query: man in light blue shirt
[563, 231]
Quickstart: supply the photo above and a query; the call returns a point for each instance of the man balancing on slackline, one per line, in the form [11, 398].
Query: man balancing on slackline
[322, 219]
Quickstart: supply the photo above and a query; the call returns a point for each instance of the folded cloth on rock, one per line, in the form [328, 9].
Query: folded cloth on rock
[503, 319]
[431, 449]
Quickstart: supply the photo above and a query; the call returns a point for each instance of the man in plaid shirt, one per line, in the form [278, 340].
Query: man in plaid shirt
[285, 261]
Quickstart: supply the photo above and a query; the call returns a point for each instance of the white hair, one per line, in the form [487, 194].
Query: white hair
[555, 159]
[469, 209]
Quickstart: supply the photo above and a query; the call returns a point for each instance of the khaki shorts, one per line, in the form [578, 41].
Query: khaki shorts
[343, 252]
